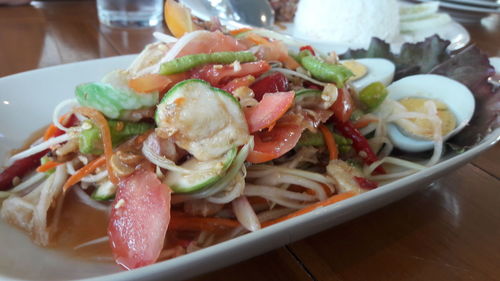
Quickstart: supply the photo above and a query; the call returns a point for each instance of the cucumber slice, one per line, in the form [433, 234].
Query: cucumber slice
[413, 12]
[206, 121]
[105, 191]
[204, 174]
[308, 97]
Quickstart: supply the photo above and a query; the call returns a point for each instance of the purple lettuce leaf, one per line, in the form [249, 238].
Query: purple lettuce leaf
[468, 66]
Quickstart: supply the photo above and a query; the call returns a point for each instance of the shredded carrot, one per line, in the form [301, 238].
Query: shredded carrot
[361, 123]
[310, 208]
[330, 142]
[181, 221]
[82, 172]
[47, 166]
[50, 132]
[101, 122]
[257, 39]
[235, 32]
[52, 129]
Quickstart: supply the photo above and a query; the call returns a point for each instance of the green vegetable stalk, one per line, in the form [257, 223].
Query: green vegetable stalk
[189, 62]
[90, 140]
[326, 72]
[373, 95]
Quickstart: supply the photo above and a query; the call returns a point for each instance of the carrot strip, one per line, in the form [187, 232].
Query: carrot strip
[310, 208]
[361, 123]
[330, 142]
[47, 166]
[185, 222]
[82, 172]
[235, 32]
[101, 122]
[50, 132]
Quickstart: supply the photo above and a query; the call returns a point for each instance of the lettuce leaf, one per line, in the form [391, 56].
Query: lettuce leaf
[468, 66]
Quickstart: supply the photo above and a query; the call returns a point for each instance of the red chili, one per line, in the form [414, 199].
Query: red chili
[309, 48]
[273, 83]
[359, 142]
[20, 168]
[70, 122]
[365, 183]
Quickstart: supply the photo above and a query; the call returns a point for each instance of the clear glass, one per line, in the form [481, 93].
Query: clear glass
[130, 13]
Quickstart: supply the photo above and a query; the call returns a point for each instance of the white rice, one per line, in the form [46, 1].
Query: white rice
[352, 22]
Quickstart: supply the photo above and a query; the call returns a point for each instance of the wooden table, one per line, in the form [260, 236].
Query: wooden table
[447, 231]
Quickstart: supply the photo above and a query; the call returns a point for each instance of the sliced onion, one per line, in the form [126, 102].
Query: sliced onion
[289, 72]
[92, 242]
[40, 147]
[245, 213]
[29, 182]
[57, 112]
[164, 37]
[85, 199]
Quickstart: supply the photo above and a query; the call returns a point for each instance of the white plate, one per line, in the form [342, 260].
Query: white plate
[454, 32]
[26, 103]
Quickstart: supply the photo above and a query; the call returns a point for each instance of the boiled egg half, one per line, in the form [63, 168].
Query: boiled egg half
[453, 101]
[367, 71]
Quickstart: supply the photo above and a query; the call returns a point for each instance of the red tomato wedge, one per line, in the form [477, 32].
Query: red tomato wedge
[276, 82]
[238, 82]
[272, 144]
[268, 111]
[211, 42]
[343, 106]
[218, 75]
[139, 219]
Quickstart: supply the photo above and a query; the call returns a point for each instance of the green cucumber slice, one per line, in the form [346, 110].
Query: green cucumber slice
[206, 121]
[204, 173]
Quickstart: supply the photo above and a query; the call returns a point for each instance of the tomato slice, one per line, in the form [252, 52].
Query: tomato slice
[343, 106]
[273, 83]
[149, 83]
[212, 42]
[268, 111]
[238, 82]
[139, 219]
[218, 75]
[269, 145]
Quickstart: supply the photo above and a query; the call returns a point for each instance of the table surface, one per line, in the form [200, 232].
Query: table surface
[447, 231]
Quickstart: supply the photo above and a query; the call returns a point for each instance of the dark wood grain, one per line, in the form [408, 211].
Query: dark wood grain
[448, 231]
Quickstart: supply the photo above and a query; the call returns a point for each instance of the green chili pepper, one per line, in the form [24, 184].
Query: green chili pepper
[189, 62]
[112, 96]
[373, 95]
[326, 72]
[90, 140]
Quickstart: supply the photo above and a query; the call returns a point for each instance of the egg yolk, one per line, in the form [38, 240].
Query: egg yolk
[358, 69]
[424, 127]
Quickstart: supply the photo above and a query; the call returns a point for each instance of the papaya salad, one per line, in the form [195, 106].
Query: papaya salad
[213, 135]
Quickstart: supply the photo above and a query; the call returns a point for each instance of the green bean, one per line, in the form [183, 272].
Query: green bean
[373, 95]
[189, 62]
[323, 71]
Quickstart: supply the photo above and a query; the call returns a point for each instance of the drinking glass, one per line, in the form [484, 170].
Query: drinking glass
[130, 13]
